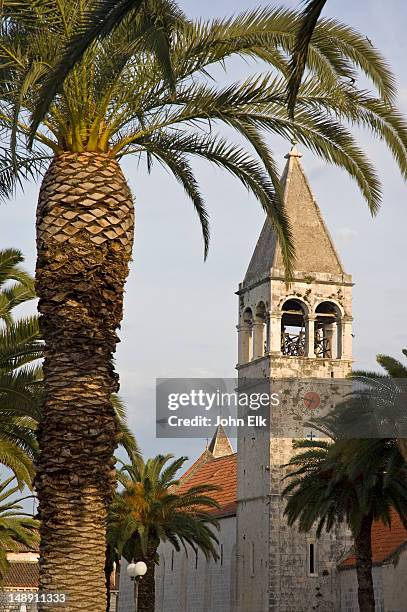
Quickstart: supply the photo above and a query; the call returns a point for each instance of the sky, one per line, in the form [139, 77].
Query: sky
[181, 312]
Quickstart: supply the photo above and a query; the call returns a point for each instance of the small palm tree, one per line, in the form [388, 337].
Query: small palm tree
[16, 527]
[389, 392]
[150, 510]
[373, 406]
[16, 285]
[20, 375]
[113, 103]
[353, 482]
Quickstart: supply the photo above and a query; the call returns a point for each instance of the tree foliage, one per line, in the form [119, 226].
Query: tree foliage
[17, 528]
[20, 374]
[306, 28]
[116, 100]
[150, 509]
[352, 482]
[331, 483]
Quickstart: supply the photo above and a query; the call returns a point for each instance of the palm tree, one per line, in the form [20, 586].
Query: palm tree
[116, 103]
[389, 392]
[350, 481]
[16, 285]
[150, 510]
[16, 527]
[374, 405]
[126, 437]
[20, 396]
[20, 349]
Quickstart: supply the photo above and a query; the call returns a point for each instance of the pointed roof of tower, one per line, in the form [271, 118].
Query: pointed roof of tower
[220, 445]
[314, 249]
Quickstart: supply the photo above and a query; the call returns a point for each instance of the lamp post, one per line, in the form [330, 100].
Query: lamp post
[136, 571]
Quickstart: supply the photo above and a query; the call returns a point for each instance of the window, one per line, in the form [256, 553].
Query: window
[196, 559]
[293, 329]
[327, 335]
[172, 560]
[259, 327]
[246, 337]
[312, 561]
[221, 554]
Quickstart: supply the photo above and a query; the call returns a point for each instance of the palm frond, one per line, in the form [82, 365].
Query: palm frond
[298, 63]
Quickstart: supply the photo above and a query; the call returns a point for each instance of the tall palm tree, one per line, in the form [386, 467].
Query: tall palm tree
[16, 527]
[115, 103]
[349, 481]
[150, 510]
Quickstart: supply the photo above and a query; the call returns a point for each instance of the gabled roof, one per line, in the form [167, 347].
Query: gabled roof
[315, 251]
[218, 471]
[386, 542]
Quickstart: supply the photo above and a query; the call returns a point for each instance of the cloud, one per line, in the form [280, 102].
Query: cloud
[346, 234]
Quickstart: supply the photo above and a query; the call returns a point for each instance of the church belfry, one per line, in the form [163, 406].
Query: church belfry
[293, 332]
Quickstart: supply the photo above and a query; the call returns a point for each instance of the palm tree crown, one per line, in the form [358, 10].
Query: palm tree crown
[115, 100]
[150, 509]
[387, 396]
[343, 481]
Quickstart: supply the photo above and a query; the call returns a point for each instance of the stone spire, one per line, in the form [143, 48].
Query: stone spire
[220, 445]
[315, 251]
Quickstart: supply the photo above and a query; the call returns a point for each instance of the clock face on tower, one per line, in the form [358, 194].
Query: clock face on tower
[311, 400]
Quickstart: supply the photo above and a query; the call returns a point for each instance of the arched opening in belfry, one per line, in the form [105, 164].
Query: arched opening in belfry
[327, 335]
[246, 336]
[259, 331]
[293, 328]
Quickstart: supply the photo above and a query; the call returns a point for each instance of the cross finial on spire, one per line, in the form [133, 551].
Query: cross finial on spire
[294, 151]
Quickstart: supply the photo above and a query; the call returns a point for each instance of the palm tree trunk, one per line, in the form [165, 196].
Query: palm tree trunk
[109, 566]
[146, 594]
[84, 241]
[363, 552]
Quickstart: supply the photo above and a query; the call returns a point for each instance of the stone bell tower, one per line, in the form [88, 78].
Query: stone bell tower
[296, 332]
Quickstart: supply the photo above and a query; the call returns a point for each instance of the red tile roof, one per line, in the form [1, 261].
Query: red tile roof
[21, 548]
[218, 471]
[385, 541]
[22, 575]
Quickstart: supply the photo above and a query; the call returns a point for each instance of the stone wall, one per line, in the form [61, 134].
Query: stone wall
[190, 583]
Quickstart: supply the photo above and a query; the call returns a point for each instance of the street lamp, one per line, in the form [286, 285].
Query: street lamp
[136, 571]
